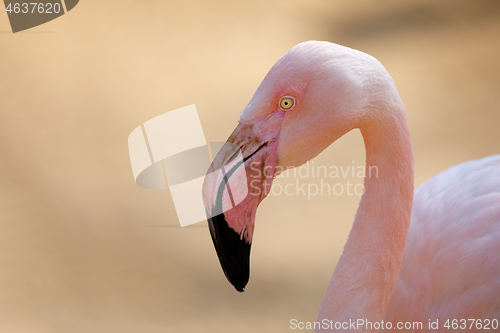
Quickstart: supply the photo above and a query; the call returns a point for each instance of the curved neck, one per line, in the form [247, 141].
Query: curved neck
[366, 273]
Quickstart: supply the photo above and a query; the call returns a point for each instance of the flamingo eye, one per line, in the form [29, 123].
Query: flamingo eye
[287, 102]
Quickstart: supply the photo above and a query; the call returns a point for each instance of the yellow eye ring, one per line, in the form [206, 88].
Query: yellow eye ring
[287, 102]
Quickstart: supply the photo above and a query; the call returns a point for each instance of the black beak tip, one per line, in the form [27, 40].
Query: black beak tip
[233, 252]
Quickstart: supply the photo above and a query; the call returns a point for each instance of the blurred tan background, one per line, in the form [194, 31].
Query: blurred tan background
[83, 249]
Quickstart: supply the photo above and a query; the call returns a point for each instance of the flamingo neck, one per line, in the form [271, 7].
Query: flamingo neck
[366, 273]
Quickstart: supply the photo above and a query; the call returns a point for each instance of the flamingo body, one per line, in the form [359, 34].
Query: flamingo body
[451, 264]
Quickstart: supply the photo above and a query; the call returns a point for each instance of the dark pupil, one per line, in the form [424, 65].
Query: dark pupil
[286, 103]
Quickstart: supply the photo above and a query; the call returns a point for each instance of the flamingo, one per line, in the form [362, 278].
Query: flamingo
[424, 255]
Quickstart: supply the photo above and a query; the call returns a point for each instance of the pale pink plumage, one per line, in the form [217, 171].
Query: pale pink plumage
[451, 265]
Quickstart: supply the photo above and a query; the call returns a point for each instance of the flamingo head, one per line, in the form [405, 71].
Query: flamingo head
[311, 97]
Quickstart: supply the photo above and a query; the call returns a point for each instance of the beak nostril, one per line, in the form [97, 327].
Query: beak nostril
[249, 156]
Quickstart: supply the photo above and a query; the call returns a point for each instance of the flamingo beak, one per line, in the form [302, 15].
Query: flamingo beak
[239, 178]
